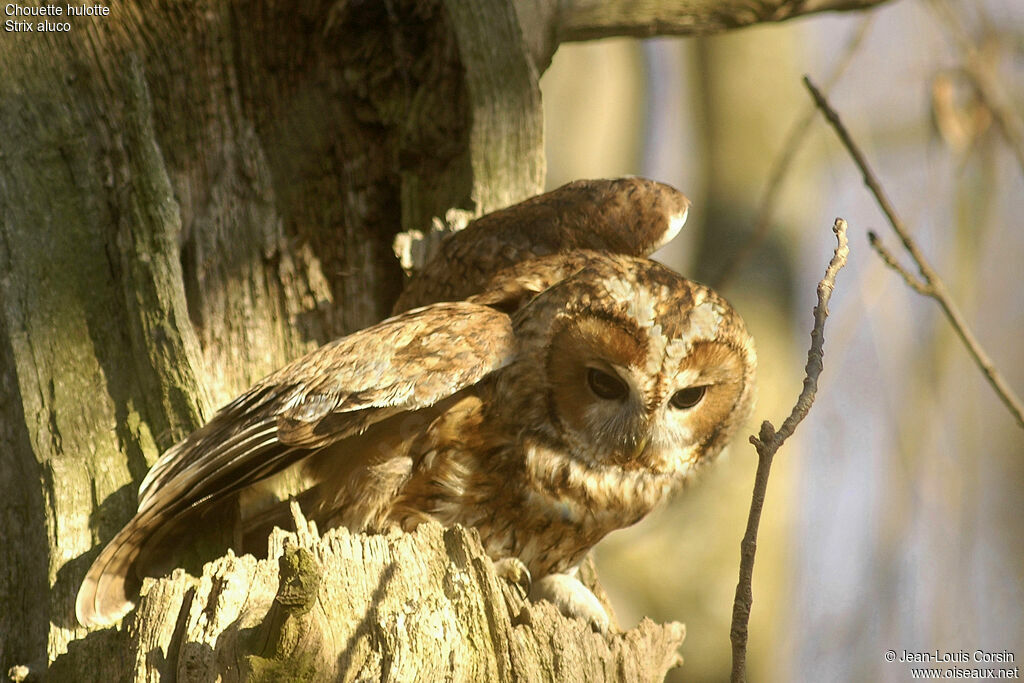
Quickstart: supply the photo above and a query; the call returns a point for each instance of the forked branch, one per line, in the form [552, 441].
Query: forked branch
[929, 284]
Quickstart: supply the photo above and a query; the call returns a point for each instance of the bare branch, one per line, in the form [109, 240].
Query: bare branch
[548, 23]
[767, 444]
[921, 288]
[590, 19]
[934, 285]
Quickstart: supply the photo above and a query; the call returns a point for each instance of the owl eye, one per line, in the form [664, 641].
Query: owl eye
[606, 386]
[687, 398]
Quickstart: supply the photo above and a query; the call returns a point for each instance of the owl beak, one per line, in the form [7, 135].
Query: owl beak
[641, 446]
[631, 454]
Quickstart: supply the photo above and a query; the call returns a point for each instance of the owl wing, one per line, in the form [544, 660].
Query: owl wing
[401, 364]
[512, 288]
[629, 216]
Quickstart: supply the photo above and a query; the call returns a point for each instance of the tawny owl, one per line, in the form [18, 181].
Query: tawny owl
[567, 394]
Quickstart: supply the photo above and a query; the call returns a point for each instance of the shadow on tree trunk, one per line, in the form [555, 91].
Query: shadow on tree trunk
[426, 605]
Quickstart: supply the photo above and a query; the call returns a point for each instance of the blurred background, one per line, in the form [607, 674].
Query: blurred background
[894, 517]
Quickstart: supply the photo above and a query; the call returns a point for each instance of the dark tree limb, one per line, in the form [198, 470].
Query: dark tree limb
[549, 23]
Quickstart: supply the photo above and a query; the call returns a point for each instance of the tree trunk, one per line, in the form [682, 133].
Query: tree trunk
[423, 606]
[190, 199]
[192, 195]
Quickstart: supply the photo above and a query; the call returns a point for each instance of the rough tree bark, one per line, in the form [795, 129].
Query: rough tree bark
[193, 194]
[423, 606]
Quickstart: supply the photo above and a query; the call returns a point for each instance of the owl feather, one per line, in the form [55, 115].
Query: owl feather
[569, 387]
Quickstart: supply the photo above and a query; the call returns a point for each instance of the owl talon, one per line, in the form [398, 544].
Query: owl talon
[572, 599]
[515, 586]
[515, 574]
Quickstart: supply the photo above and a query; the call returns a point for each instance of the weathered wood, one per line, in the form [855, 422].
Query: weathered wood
[421, 606]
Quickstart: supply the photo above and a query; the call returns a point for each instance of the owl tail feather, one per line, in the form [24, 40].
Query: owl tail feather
[105, 595]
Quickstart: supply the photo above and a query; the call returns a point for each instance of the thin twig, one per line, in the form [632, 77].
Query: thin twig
[935, 288]
[795, 138]
[883, 252]
[768, 442]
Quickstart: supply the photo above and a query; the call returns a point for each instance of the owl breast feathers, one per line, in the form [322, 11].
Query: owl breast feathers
[571, 387]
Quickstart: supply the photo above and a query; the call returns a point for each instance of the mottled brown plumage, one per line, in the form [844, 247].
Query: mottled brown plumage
[564, 399]
[629, 216]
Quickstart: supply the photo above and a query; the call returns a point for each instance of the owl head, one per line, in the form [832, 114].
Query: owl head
[629, 364]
